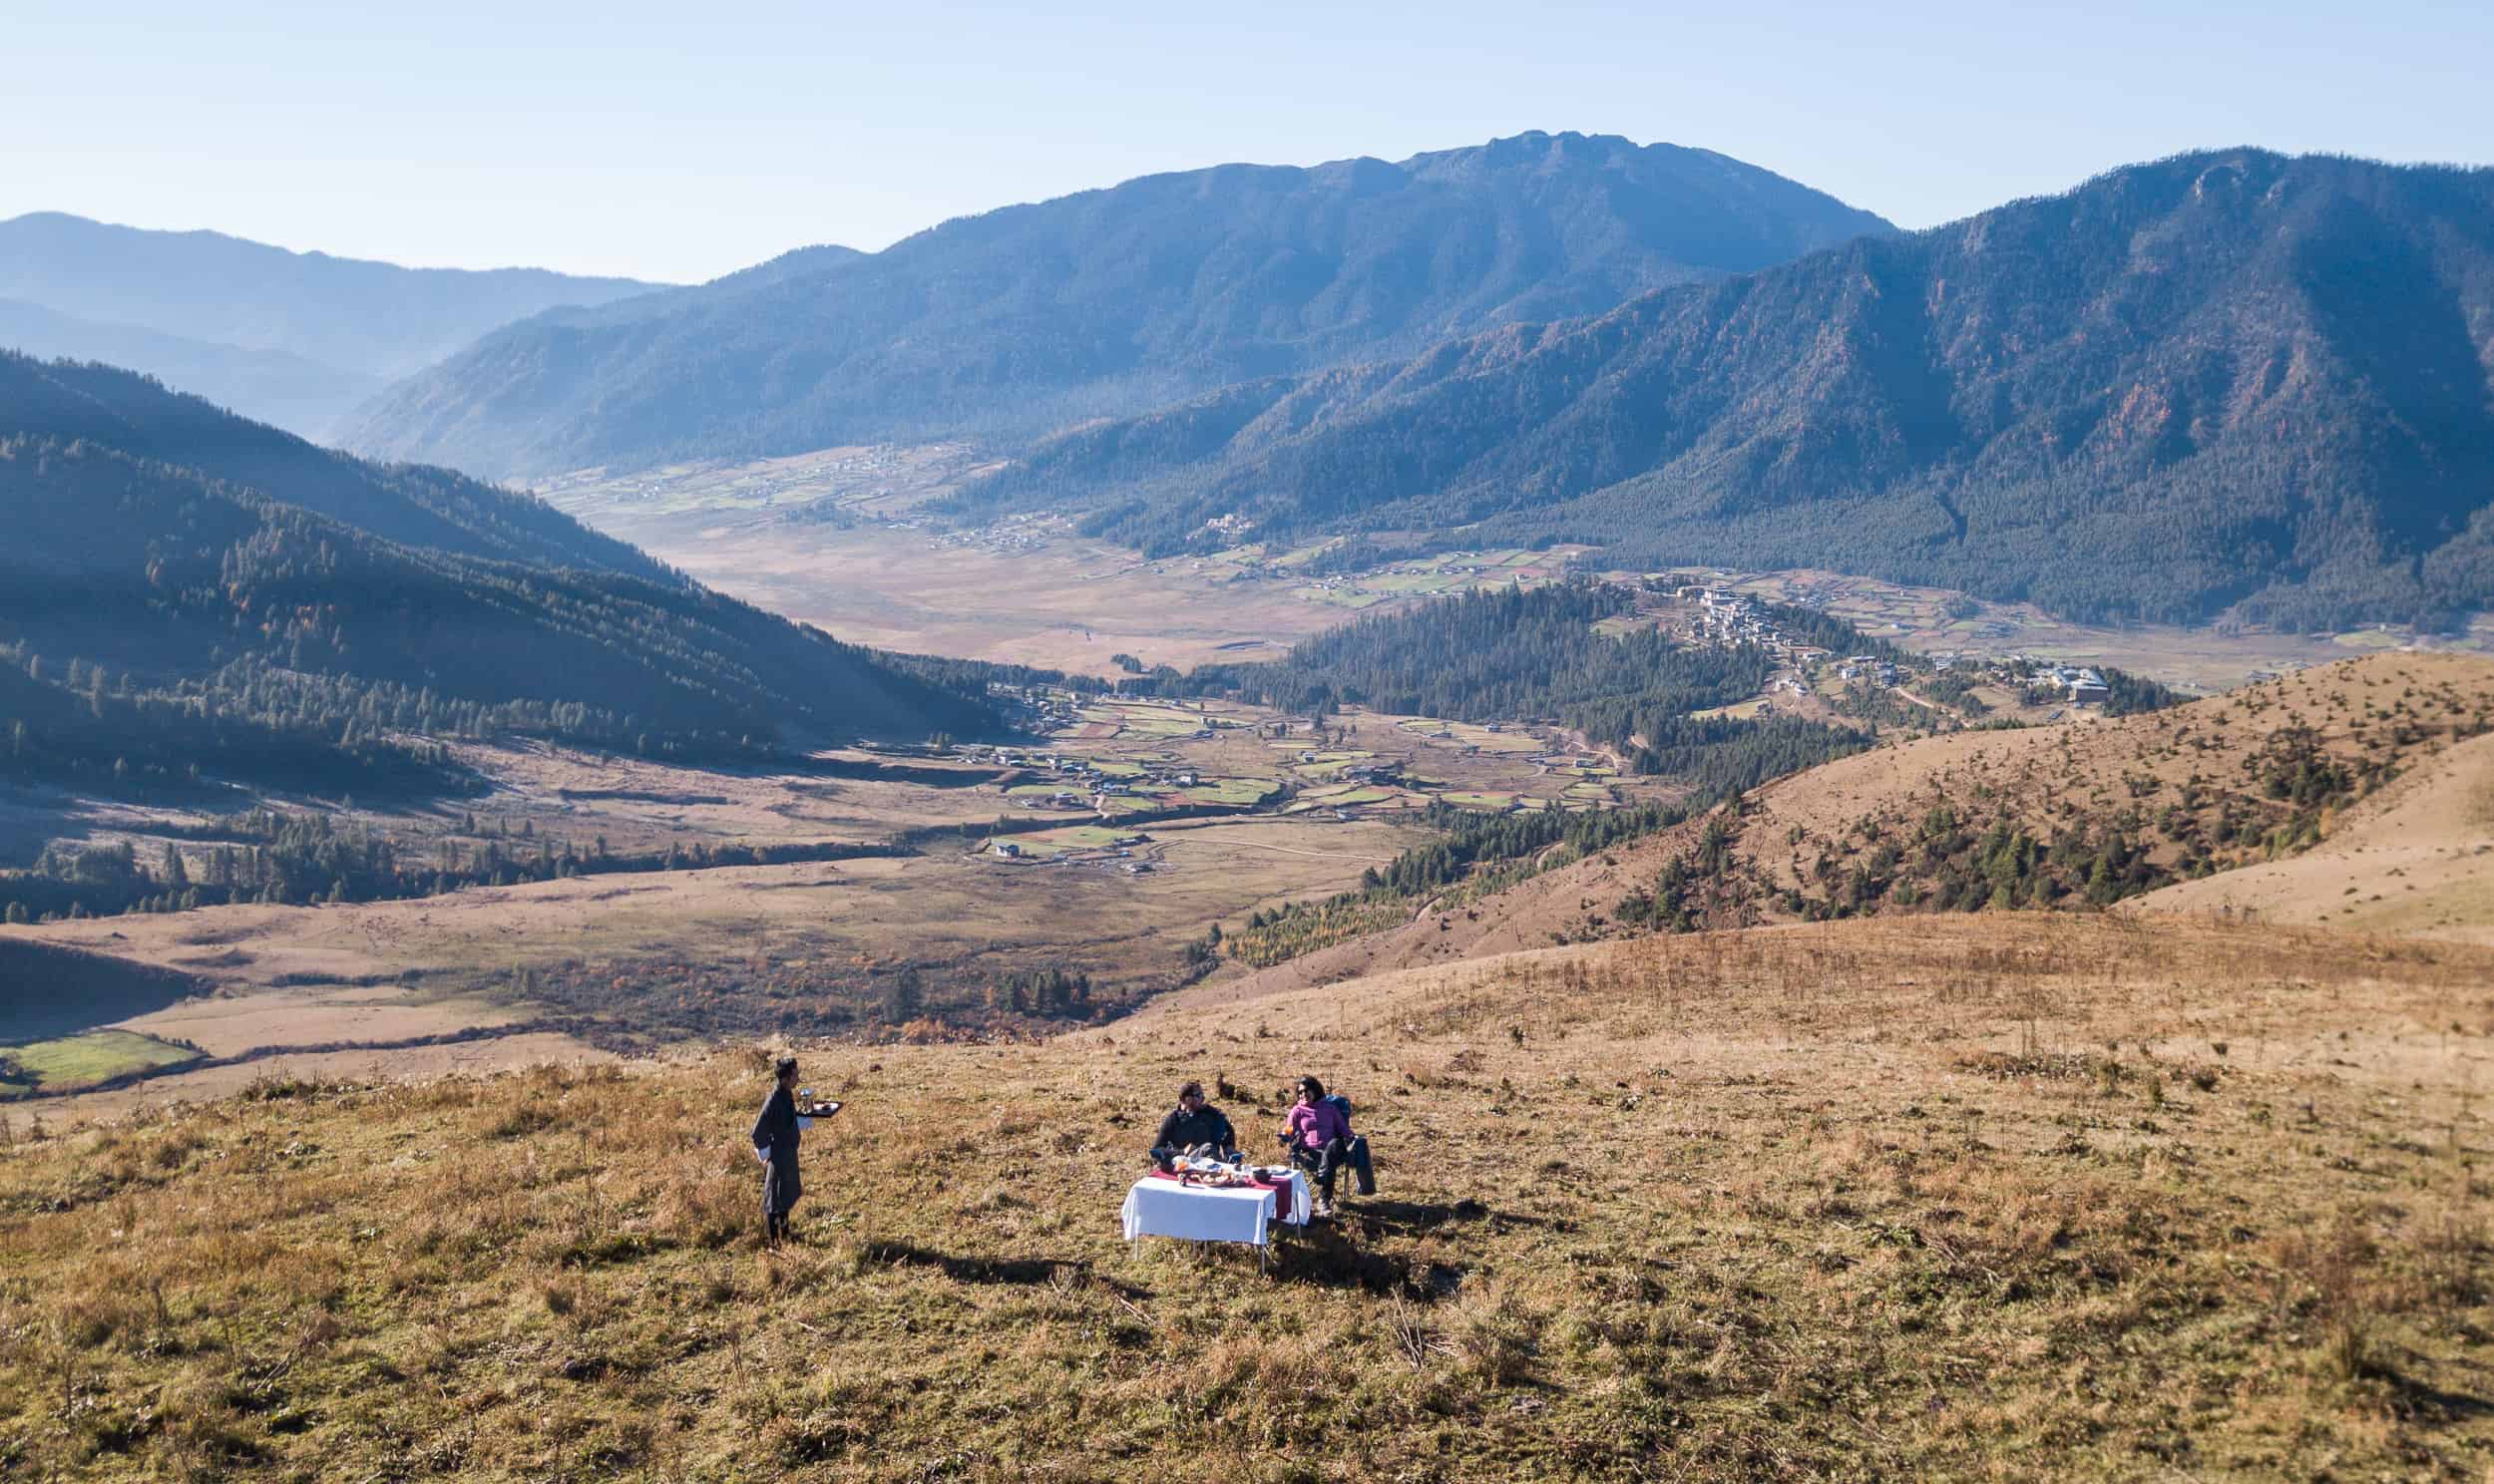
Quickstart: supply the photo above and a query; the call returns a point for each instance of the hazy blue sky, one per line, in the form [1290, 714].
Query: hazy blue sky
[684, 141]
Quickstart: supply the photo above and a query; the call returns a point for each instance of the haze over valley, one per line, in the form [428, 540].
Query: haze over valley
[291, 338]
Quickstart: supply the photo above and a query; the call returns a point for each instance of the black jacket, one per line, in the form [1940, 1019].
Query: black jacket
[777, 1130]
[1184, 1130]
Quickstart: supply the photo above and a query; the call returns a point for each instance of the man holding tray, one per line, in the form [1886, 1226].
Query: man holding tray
[775, 1136]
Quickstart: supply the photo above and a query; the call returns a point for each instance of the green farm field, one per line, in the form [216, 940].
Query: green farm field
[69, 1062]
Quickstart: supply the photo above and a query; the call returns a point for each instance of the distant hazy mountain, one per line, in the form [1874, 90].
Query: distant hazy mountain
[2223, 377]
[270, 385]
[1025, 319]
[293, 338]
[204, 571]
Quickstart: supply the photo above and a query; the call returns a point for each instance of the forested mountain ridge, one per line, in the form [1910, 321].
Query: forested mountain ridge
[156, 615]
[143, 568]
[2224, 378]
[149, 583]
[69, 403]
[1025, 319]
[375, 318]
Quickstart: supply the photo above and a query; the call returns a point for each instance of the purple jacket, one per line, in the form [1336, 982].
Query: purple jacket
[1318, 1125]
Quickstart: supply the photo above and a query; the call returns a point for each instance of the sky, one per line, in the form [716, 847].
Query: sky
[677, 143]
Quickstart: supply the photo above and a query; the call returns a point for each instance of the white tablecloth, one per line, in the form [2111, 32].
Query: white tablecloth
[1197, 1213]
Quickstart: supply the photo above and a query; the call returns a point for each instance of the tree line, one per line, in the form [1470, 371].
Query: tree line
[294, 858]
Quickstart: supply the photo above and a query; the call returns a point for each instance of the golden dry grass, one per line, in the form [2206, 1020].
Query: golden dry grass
[1069, 605]
[2396, 710]
[299, 976]
[1978, 1197]
[2417, 858]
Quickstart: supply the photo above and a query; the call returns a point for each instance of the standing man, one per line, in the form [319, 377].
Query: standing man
[775, 1136]
[1193, 1124]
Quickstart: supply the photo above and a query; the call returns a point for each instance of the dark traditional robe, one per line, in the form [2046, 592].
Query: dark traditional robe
[777, 1130]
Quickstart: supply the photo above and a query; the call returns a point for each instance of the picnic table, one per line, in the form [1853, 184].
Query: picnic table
[1162, 1205]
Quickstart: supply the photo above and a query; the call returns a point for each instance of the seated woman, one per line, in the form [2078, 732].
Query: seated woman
[1320, 1138]
[1191, 1126]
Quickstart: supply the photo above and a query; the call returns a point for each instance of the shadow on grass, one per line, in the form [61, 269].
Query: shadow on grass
[1016, 1271]
[1378, 1218]
[1332, 1257]
[2418, 1400]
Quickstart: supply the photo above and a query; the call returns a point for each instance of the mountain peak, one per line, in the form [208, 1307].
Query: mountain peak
[2226, 379]
[1008, 324]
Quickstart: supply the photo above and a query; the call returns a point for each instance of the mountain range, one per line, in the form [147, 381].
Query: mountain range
[2231, 382]
[2227, 378]
[1014, 323]
[183, 586]
[293, 338]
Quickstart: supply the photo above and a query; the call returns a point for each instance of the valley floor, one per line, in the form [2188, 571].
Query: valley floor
[1027, 590]
[523, 971]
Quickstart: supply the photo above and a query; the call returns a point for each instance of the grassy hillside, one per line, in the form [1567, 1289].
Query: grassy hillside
[2092, 814]
[2070, 817]
[2415, 857]
[2229, 378]
[47, 989]
[1971, 1198]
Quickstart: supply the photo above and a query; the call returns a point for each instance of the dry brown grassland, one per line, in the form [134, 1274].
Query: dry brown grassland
[1978, 1197]
[2163, 780]
[627, 960]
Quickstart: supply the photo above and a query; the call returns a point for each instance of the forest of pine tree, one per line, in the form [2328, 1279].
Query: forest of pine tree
[2228, 381]
[1523, 654]
[172, 626]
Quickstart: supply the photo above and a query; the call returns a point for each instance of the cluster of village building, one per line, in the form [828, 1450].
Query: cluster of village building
[1725, 618]
[1013, 533]
[2083, 686]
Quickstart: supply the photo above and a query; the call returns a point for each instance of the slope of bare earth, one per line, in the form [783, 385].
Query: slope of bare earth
[2417, 858]
[1980, 1197]
[2187, 789]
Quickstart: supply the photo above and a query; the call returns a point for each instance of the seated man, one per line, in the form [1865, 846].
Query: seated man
[1193, 1126]
[1320, 1138]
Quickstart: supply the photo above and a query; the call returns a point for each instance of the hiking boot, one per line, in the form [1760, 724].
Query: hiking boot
[1323, 1210]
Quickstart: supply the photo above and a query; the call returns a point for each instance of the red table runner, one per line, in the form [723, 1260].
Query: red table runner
[1280, 1192]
